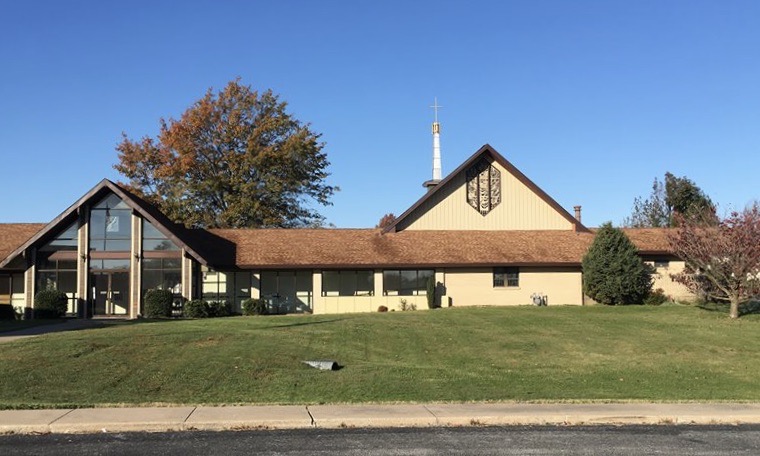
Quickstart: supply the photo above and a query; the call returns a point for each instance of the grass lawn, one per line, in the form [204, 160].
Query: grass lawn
[669, 353]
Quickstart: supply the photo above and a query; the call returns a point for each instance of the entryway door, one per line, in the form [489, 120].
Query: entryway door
[110, 293]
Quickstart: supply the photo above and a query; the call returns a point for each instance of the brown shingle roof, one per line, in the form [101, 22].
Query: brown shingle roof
[280, 248]
[12, 235]
[649, 240]
[316, 248]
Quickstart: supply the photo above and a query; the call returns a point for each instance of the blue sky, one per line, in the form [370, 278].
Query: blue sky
[590, 99]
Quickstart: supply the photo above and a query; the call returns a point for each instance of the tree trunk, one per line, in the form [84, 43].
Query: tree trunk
[734, 312]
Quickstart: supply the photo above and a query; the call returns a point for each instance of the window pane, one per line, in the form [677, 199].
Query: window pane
[303, 281]
[67, 281]
[5, 289]
[513, 277]
[172, 263]
[151, 279]
[172, 280]
[151, 263]
[111, 202]
[159, 245]
[17, 283]
[498, 277]
[97, 224]
[44, 261]
[151, 232]
[118, 224]
[408, 283]
[391, 282]
[268, 283]
[423, 276]
[67, 264]
[67, 240]
[118, 245]
[116, 264]
[365, 283]
[46, 280]
[347, 283]
[243, 284]
[330, 283]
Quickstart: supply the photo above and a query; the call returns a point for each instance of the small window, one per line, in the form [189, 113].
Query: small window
[506, 277]
[661, 264]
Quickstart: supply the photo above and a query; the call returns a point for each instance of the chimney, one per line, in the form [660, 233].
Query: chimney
[577, 213]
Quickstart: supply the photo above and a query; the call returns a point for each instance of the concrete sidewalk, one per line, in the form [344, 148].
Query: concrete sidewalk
[334, 416]
[71, 324]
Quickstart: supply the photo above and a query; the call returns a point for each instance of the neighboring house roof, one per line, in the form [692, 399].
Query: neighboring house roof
[491, 153]
[12, 235]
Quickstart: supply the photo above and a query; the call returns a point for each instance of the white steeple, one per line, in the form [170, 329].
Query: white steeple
[436, 149]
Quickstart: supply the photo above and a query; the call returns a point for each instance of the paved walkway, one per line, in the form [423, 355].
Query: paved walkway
[336, 416]
[71, 324]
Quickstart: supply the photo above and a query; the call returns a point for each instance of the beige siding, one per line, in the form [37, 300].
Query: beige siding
[474, 287]
[520, 209]
[350, 304]
[83, 263]
[467, 287]
[135, 267]
[672, 289]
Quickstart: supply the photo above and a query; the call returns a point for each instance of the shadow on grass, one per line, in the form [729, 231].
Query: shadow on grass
[40, 327]
[304, 323]
[748, 308]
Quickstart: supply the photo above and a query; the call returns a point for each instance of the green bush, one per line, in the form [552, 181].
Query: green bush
[218, 309]
[613, 272]
[406, 306]
[50, 304]
[656, 298]
[7, 312]
[158, 303]
[254, 307]
[431, 293]
[195, 309]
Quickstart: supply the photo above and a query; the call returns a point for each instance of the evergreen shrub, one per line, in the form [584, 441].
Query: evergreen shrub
[195, 309]
[7, 312]
[158, 303]
[218, 309]
[431, 293]
[254, 307]
[613, 272]
[656, 298]
[50, 304]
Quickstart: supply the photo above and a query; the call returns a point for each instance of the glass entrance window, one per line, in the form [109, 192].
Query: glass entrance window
[154, 240]
[162, 273]
[110, 225]
[110, 293]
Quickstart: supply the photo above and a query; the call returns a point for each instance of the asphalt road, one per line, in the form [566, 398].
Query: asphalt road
[518, 440]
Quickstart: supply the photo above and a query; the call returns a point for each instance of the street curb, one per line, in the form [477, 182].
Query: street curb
[161, 419]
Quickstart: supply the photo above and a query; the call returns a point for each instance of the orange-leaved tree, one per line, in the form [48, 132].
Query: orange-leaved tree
[235, 158]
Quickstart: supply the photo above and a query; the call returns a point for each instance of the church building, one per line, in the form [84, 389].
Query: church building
[485, 234]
